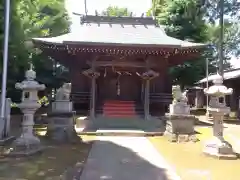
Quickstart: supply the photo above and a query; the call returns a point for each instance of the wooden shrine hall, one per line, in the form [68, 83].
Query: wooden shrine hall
[119, 65]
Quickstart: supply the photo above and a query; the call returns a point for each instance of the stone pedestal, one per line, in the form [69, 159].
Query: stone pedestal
[61, 123]
[179, 108]
[62, 106]
[61, 127]
[180, 128]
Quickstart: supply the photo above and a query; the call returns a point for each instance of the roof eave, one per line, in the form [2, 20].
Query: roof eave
[121, 44]
[194, 45]
[48, 41]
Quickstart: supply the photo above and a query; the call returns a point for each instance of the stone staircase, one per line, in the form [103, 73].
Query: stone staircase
[115, 108]
[121, 115]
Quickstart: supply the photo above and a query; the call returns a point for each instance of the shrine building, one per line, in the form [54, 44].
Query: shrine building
[119, 65]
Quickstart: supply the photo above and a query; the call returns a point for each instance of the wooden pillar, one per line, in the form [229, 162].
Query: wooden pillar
[146, 99]
[147, 77]
[93, 93]
[91, 73]
[93, 97]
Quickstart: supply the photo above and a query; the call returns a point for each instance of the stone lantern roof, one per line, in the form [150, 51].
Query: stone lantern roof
[218, 89]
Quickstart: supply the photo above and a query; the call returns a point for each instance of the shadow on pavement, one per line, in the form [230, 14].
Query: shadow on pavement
[111, 161]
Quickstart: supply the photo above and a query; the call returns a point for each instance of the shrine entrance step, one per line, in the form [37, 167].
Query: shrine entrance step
[154, 124]
[117, 108]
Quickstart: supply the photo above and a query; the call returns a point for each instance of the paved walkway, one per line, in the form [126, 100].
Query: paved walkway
[126, 158]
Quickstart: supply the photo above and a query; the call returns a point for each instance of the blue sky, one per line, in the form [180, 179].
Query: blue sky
[136, 6]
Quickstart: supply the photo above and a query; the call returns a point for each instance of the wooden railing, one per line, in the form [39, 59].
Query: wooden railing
[84, 97]
[165, 98]
[80, 97]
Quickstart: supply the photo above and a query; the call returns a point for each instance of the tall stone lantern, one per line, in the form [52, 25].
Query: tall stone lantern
[217, 146]
[28, 143]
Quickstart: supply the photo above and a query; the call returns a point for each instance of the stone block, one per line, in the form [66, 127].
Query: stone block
[179, 108]
[62, 106]
[5, 123]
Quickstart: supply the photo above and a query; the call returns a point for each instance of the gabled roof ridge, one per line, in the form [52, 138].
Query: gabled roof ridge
[125, 20]
[228, 74]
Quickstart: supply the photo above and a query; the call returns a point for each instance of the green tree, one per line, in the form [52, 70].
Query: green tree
[29, 19]
[16, 56]
[209, 11]
[43, 18]
[184, 19]
[231, 41]
[211, 7]
[231, 27]
[116, 11]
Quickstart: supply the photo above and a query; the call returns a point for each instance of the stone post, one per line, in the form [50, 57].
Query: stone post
[28, 143]
[217, 146]
[5, 126]
[199, 99]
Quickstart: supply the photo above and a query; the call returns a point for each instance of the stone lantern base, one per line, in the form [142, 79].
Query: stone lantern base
[25, 145]
[219, 148]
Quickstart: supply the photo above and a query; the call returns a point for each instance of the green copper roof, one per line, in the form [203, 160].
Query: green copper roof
[119, 31]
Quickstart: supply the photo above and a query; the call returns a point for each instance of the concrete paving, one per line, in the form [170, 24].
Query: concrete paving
[126, 158]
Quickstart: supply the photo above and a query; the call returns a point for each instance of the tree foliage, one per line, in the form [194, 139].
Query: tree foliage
[184, 19]
[31, 18]
[195, 20]
[212, 9]
[231, 17]
[43, 18]
[116, 11]
[231, 41]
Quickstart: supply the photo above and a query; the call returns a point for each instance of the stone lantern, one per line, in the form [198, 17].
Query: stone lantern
[28, 143]
[217, 146]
